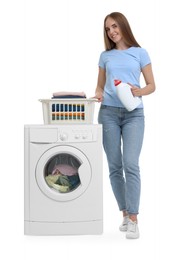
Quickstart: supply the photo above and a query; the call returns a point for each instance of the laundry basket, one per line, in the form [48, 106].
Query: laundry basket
[72, 110]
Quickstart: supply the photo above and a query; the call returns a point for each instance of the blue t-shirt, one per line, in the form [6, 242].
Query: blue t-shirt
[124, 65]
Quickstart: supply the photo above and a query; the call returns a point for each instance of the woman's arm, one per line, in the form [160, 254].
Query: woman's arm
[100, 84]
[149, 80]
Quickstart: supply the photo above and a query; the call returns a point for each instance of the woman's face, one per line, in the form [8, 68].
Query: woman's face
[113, 31]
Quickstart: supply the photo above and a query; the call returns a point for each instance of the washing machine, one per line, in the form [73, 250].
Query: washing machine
[63, 179]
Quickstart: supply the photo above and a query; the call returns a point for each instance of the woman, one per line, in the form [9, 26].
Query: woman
[123, 131]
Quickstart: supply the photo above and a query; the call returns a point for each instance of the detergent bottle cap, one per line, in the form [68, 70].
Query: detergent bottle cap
[117, 82]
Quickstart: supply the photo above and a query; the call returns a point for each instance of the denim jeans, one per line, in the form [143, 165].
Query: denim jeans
[122, 139]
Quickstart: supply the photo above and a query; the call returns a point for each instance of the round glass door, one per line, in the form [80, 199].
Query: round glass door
[63, 173]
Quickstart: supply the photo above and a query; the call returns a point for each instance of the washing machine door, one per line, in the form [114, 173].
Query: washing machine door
[63, 173]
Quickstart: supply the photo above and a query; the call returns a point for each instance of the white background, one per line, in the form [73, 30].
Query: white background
[52, 45]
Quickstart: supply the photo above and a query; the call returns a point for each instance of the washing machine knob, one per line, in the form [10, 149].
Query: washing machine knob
[85, 136]
[77, 136]
[63, 137]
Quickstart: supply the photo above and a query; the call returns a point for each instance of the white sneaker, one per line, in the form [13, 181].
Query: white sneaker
[123, 226]
[132, 230]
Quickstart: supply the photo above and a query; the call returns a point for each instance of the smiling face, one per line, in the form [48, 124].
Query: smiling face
[114, 33]
[117, 32]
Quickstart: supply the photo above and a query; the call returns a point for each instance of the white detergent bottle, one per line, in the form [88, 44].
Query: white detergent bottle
[125, 95]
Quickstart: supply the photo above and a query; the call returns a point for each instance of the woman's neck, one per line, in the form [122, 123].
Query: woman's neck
[121, 46]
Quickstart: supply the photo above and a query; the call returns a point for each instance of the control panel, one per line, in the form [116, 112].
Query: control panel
[63, 134]
[76, 134]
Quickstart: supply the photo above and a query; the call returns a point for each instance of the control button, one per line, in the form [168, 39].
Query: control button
[85, 136]
[77, 136]
[63, 137]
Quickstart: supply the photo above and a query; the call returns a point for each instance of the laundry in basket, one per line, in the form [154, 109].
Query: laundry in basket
[68, 107]
[63, 94]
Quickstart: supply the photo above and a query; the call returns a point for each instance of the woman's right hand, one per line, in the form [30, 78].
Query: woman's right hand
[99, 96]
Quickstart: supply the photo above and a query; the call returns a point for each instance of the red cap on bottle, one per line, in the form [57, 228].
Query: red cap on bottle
[117, 82]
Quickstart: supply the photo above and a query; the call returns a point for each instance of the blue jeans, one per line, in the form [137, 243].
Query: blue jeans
[123, 133]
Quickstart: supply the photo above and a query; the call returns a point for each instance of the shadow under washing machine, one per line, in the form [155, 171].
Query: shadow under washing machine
[63, 180]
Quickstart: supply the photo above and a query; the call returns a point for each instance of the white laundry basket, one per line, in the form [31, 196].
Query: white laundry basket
[68, 110]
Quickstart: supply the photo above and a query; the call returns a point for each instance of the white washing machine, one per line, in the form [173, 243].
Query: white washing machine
[63, 180]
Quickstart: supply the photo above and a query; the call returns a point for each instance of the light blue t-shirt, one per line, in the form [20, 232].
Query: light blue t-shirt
[124, 65]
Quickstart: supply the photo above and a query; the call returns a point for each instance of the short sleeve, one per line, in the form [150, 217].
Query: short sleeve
[144, 58]
[101, 62]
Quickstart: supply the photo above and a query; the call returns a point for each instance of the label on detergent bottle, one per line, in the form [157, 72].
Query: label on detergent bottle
[125, 95]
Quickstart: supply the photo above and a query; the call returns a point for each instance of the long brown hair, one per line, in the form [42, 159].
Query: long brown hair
[125, 28]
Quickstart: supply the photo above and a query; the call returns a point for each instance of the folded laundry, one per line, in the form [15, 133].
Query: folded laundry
[69, 94]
